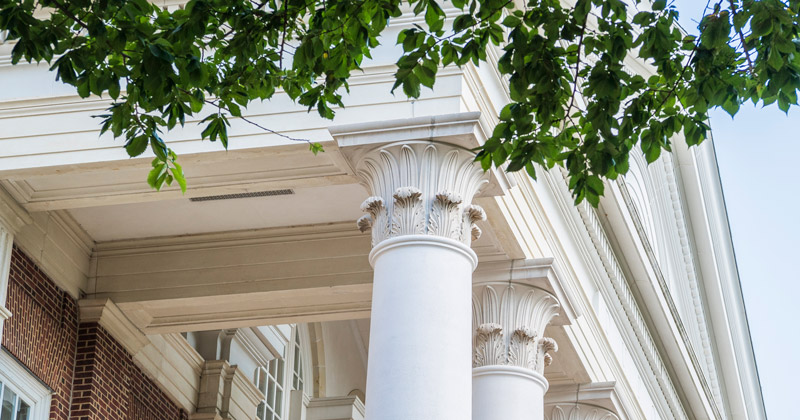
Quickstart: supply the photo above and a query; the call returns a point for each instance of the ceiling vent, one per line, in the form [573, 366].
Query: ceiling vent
[244, 195]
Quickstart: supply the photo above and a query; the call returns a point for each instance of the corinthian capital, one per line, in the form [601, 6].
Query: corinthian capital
[509, 321]
[420, 188]
[420, 174]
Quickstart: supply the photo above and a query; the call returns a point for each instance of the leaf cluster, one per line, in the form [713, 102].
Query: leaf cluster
[575, 100]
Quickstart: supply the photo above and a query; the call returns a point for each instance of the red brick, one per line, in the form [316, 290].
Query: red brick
[91, 374]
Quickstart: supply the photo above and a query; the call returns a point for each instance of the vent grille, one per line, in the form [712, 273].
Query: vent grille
[244, 195]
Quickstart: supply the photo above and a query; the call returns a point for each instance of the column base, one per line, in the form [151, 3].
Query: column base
[507, 393]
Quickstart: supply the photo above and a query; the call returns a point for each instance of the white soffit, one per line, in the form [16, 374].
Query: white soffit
[183, 217]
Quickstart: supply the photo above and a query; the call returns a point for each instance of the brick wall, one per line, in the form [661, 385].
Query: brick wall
[43, 331]
[91, 375]
[108, 385]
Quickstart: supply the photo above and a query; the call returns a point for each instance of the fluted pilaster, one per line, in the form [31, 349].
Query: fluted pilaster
[6, 244]
[421, 188]
[509, 321]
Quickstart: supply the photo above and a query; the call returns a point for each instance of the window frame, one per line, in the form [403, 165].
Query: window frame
[14, 375]
[278, 409]
[295, 342]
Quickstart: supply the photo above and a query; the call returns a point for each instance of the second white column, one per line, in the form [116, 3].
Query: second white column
[511, 351]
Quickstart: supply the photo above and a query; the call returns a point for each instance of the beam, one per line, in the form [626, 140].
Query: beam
[259, 277]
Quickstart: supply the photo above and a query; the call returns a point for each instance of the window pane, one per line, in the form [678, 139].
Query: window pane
[9, 398]
[273, 366]
[262, 381]
[261, 411]
[279, 403]
[281, 368]
[270, 395]
[23, 411]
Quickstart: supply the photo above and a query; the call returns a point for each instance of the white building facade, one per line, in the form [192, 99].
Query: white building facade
[388, 278]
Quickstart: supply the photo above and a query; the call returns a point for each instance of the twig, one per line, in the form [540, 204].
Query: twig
[741, 39]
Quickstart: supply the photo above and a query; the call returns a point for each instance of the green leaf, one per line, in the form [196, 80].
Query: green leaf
[137, 145]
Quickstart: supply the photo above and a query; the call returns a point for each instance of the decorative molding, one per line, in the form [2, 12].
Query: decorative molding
[12, 216]
[617, 292]
[6, 246]
[156, 355]
[602, 395]
[509, 321]
[29, 387]
[690, 267]
[689, 323]
[578, 411]
[540, 273]
[421, 188]
[225, 393]
[336, 408]
[110, 317]
[721, 288]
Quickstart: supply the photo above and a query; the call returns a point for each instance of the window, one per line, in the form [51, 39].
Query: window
[22, 396]
[281, 376]
[297, 371]
[270, 383]
[13, 406]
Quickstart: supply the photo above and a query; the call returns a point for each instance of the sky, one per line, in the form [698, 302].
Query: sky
[758, 154]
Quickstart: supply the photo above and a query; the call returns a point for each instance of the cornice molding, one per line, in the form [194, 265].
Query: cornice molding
[721, 283]
[223, 239]
[12, 215]
[251, 342]
[665, 293]
[617, 293]
[110, 317]
[336, 408]
[578, 411]
[155, 355]
[598, 394]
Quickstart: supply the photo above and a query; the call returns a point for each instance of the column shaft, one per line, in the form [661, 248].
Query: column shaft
[420, 339]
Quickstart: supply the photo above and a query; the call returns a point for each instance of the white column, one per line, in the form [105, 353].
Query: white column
[510, 351]
[422, 223]
[6, 244]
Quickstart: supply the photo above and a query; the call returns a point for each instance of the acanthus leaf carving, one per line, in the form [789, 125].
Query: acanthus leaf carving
[421, 188]
[407, 217]
[515, 321]
[546, 345]
[473, 213]
[522, 348]
[377, 218]
[444, 216]
[489, 346]
[364, 223]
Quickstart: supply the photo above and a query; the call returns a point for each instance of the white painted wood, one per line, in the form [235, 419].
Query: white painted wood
[508, 393]
[420, 351]
[14, 375]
